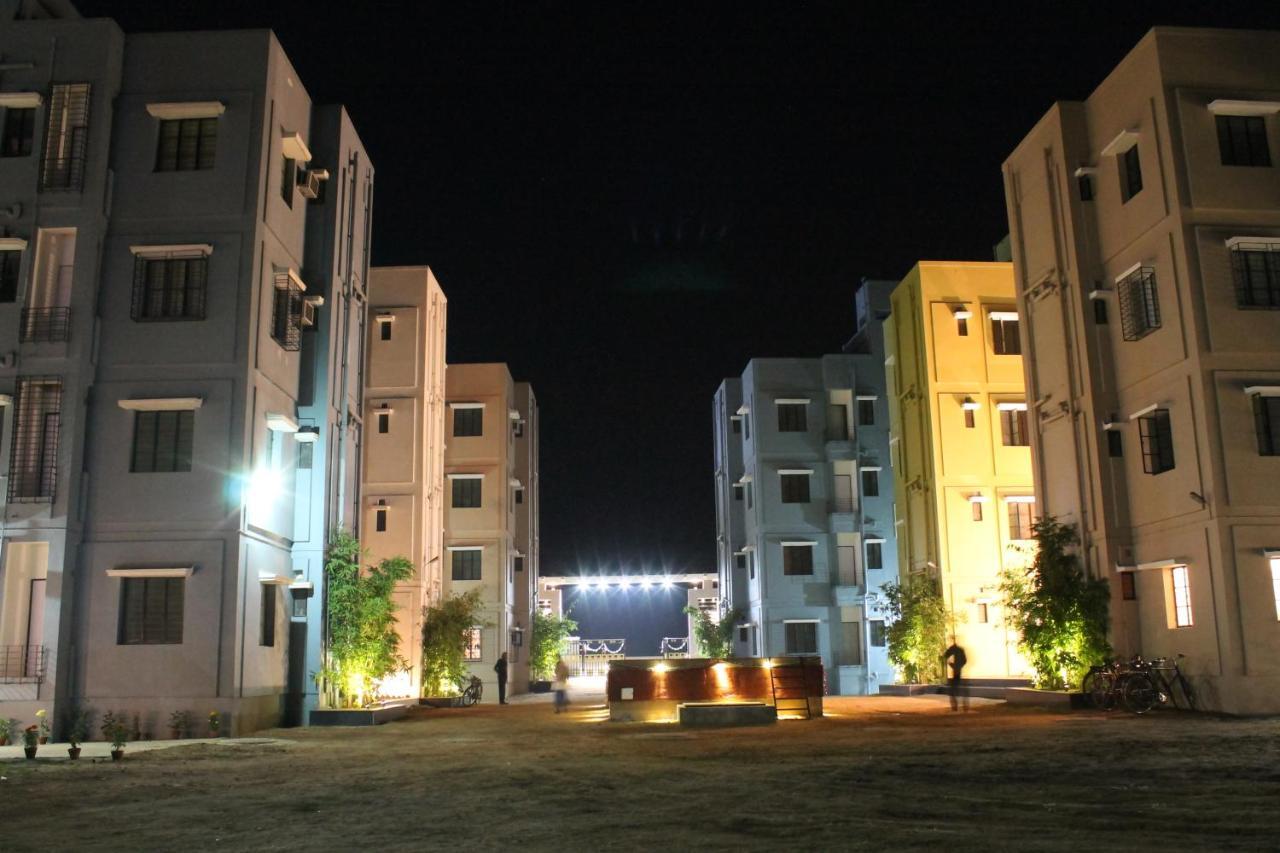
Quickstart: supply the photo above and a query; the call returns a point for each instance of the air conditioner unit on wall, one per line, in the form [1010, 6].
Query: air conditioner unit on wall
[309, 182]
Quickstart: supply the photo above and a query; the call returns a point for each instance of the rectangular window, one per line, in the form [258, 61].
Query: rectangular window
[797, 559]
[1139, 304]
[962, 327]
[1242, 141]
[306, 455]
[879, 633]
[517, 429]
[969, 420]
[288, 178]
[975, 509]
[795, 488]
[1255, 268]
[751, 566]
[468, 422]
[466, 492]
[736, 425]
[384, 330]
[1099, 311]
[286, 313]
[737, 491]
[1004, 336]
[267, 622]
[850, 644]
[466, 565]
[1130, 173]
[10, 270]
[870, 483]
[1266, 418]
[151, 611]
[518, 563]
[1020, 520]
[1013, 428]
[33, 462]
[875, 555]
[740, 561]
[1128, 586]
[384, 422]
[1115, 444]
[169, 288]
[792, 417]
[984, 615]
[866, 412]
[746, 427]
[162, 441]
[1085, 185]
[743, 633]
[472, 650]
[1181, 584]
[801, 638]
[186, 144]
[1275, 583]
[1156, 433]
[67, 139]
[19, 132]
[380, 519]
[748, 496]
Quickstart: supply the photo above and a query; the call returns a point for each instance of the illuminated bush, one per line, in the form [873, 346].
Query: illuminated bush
[444, 643]
[550, 640]
[917, 632]
[1060, 613]
[714, 639]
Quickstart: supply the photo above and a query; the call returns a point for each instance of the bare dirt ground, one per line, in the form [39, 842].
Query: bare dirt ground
[881, 773]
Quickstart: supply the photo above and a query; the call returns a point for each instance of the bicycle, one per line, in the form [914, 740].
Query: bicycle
[1155, 683]
[471, 695]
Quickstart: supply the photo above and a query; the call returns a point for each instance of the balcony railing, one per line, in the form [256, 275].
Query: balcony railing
[22, 664]
[46, 325]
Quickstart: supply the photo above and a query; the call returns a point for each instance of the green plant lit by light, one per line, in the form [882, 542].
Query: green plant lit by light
[1060, 612]
[444, 643]
[714, 639]
[917, 632]
[551, 635]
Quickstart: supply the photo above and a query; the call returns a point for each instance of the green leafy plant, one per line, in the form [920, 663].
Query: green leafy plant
[444, 643]
[8, 727]
[110, 722]
[1060, 613]
[180, 722]
[30, 736]
[714, 639]
[215, 723]
[119, 736]
[77, 727]
[362, 638]
[917, 632]
[550, 640]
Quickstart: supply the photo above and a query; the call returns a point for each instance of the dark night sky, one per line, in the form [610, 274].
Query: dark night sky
[652, 193]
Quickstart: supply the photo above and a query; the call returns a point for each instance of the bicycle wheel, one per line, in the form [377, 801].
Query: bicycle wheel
[1099, 685]
[1140, 694]
[1188, 692]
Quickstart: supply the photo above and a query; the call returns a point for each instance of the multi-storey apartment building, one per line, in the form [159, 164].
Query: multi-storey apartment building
[960, 455]
[179, 271]
[404, 447]
[484, 424]
[1146, 246]
[805, 537]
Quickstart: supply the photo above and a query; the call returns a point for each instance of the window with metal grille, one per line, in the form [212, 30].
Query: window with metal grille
[870, 484]
[33, 458]
[1266, 418]
[472, 650]
[466, 565]
[875, 555]
[1180, 580]
[791, 417]
[1255, 267]
[797, 559]
[466, 492]
[151, 611]
[1115, 444]
[468, 422]
[879, 633]
[801, 638]
[1004, 336]
[169, 288]
[162, 441]
[1128, 586]
[1139, 303]
[1020, 520]
[1130, 173]
[866, 412]
[66, 142]
[10, 270]
[1242, 141]
[1156, 433]
[1013, 428]
[18, 133]
[795, 488]
[187, 144]
[286, 313]
[267, 615]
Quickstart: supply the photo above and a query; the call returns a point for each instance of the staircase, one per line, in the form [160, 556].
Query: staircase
[790, 685]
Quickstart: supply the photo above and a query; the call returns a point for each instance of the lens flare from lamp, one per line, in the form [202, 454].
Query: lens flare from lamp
[660, 668]
[263, 489]
[766, 663]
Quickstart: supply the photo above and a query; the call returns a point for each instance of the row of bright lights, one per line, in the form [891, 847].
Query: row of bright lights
[645, 585]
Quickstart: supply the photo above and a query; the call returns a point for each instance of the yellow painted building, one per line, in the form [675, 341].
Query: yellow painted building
[963, 494]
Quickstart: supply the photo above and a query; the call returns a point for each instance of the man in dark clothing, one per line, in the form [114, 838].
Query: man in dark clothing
[956, 656]
[501, 668]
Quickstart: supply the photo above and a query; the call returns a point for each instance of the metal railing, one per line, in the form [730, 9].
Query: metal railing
[45, 325]
[674, 647]
[22, 664]
[591, 657]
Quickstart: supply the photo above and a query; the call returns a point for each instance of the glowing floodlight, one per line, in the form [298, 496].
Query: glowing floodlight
[646, 584]
[660, 668]
[766, 663]
[668, 585]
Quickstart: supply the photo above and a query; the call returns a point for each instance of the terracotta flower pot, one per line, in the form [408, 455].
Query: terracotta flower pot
[30, 751]
[117, 754]
[74, 752]
[43, 740]
[4, 741]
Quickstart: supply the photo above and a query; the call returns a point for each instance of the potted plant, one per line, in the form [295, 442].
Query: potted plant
[119, 737]
[137, 728]
[215, 723]
[179, 723]
[30, 737]
[6, 730]
[42, 720]
[77, 731]
[108, 725]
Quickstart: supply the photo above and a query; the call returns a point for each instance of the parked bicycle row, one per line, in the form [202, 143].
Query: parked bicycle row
[1139, 685]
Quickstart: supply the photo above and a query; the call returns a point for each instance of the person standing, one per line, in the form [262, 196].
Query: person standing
[956, 657]
[561, 685]
[501, 668]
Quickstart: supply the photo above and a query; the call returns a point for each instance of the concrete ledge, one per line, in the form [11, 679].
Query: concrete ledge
[357, 716]
[909, 689]
[1058, 700]
[717, 714]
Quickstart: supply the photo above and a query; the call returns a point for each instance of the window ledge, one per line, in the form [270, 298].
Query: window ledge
[1228, 107]
[186, 109]
[161, 404]
[294, 148]
[175, 250]
[12, 244]
[170, 572]
[20, 100]
[1124, 140]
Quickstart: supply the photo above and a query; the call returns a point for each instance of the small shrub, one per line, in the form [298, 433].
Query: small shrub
[714, 639]
[550, 640]
[917, 632]
[444, 643]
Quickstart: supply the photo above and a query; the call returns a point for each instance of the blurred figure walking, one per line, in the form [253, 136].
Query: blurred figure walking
[957, 658]
[561, 685]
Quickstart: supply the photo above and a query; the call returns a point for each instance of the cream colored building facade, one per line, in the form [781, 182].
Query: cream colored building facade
[404, 446]
[963, 496]
[485, 423]
[1145, 226]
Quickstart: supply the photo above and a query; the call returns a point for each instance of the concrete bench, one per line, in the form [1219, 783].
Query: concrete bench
[716, 714]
